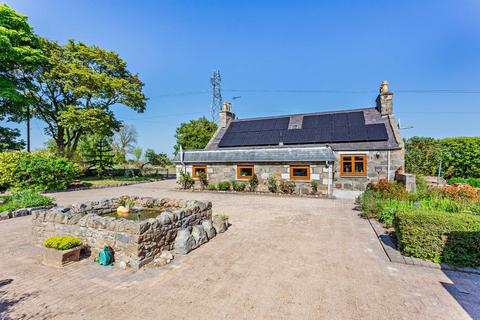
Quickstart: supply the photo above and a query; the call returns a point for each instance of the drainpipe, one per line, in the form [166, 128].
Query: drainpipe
[388, 166]
[330, 178]
[181, 160]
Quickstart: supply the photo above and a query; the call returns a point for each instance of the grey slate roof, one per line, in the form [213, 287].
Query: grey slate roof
[278, 154]
[371, 116]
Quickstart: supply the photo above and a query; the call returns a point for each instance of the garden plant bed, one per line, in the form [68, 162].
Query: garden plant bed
[20, 204]
[180, 225]
[438, 228]
[80, 186]
[389, 244]
[272, 194]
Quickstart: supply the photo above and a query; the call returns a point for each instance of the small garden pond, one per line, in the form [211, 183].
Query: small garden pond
[136, 215]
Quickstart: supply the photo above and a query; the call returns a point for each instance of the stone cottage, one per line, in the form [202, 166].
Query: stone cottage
[339, 149]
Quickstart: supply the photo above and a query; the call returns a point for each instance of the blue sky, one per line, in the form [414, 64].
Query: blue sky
[264, 47]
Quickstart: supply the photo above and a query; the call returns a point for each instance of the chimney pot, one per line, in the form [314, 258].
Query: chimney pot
[226, 115]
[384, 99]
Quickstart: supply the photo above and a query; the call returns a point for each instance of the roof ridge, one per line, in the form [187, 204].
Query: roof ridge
[303, 114]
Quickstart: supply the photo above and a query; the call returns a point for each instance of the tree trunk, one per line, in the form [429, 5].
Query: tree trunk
[60, 141]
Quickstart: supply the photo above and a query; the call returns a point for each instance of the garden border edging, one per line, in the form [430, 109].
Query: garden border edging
[396, 257]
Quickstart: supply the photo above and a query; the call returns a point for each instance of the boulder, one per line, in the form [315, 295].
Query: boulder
[184, 242]
[163, 218]
[20, 213]
[209, 229]
[199, 235]
[219, 224]
[5, 215]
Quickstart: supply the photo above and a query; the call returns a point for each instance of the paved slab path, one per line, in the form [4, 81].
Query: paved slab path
[282, 258]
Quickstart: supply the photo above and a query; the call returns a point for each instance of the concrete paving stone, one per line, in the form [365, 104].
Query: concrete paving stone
[281, 258]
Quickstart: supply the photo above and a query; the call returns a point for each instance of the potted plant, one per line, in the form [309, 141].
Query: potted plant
[62, 250]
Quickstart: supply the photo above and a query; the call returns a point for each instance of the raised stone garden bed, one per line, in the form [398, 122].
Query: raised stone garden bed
[137, 240]
[262, 193]
[21, 212]
[60, 258]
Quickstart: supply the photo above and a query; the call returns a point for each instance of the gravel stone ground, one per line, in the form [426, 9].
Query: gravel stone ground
[282, 258]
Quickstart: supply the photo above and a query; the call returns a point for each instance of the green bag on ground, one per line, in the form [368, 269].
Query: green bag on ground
[105, 256]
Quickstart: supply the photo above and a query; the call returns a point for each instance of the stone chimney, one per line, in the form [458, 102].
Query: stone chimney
[384, 99]
[226, 115]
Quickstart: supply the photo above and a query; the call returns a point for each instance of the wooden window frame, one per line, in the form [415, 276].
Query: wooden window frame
[240, 167]
[194, 169]
[292, 177]
[353, 173]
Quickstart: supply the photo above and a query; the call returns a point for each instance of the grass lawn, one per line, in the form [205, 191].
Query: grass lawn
[99, 181]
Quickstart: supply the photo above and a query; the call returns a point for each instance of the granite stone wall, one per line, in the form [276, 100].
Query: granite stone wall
[227, 172]
[377, 168]
[134, 242]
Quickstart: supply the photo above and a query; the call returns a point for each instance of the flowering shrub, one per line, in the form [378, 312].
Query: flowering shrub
[389, 190]
[462, 192]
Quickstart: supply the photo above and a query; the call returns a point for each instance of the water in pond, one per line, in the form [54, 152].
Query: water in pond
[137, 215]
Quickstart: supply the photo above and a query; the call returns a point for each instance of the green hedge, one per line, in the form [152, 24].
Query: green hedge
[474, 182]
[453, 238]
[460, 156]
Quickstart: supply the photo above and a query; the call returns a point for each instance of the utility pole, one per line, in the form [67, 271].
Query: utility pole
[216, 86]
[28, 128]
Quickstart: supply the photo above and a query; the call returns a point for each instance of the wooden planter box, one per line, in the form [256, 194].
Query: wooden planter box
[60, 258]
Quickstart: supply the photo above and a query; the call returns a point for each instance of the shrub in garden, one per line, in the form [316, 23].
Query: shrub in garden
[368, 204]
[314, 186]
[211, 187]
[203, 179]
[62, 242]
[186, 181]
[287, 187]
[9, 165]
[223, 186]
[253, 183]
[453, 238]
[272, 184]
[44, 173]
[474, 182]
[240, 186]
[233, 184]
[462, 192]
[386, 216]
[389, 190]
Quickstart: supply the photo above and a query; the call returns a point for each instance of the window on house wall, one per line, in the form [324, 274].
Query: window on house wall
[300, 172]
[196, 170]
[245, 172]
[353, 165]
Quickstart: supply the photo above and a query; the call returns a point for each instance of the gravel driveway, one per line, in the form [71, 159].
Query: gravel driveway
[282, 258]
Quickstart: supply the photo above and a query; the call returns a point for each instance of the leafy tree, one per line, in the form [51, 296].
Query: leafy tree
[75, 88]
[137, 153]
[9, 140]
[124, 142]
[194, 134]
[19, 53]
[157, 159]
[97, 153]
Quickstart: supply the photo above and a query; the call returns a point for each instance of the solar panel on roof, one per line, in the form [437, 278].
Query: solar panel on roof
[322, 128]
[376, 132]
